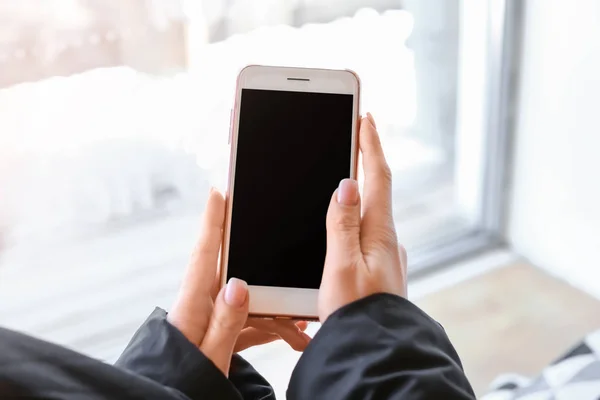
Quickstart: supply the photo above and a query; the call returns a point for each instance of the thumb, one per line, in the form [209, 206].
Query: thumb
[227, 321]
[343, 225]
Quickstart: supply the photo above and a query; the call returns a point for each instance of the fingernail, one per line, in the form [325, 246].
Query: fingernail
[371, 119]
[236, 292]
[212, 189]
[348, 192]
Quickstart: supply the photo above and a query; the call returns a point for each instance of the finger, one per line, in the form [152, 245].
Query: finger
[289, 331]
[250, 337]
[377, 190]
[253, 322]
[403, 256]
[216, 286]
[371, 119]
[200, 276]
[191, 311]
[343, 225]
[226, 323]
[286, 330]
[302, 325]
[403, 268]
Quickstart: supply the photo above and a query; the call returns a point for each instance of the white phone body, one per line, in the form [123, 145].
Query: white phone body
[285, 302]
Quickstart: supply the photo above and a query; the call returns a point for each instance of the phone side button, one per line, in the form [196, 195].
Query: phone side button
[230, 126]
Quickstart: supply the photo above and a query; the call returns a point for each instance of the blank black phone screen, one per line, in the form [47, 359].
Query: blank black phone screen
[293, 149]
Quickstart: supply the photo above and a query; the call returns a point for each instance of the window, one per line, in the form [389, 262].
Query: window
[113, 126]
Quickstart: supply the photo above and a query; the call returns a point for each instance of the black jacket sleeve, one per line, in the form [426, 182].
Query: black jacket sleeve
[380, 347]
[34, 369]
[160, 352]
[159, 363]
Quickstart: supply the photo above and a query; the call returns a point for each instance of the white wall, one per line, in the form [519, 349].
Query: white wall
[555, 202]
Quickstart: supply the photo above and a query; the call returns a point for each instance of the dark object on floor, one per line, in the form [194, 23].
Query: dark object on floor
[575, 375]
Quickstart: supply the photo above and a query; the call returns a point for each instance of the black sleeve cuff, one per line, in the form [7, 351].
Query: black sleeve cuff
[381, 346]
[159, 351]
[248, 381]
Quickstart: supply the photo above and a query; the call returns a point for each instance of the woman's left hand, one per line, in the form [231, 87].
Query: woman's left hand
[217, 320]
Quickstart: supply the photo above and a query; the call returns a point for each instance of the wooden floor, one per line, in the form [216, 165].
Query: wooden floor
[513, 319]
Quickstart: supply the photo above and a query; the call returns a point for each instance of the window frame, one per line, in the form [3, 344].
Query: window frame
[482, 179]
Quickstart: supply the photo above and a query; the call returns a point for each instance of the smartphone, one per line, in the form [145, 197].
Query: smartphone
[293, 138]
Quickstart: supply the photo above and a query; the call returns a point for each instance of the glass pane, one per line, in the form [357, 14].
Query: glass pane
[114, 122]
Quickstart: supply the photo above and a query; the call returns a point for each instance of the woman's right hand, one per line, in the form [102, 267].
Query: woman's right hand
[363, 254]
